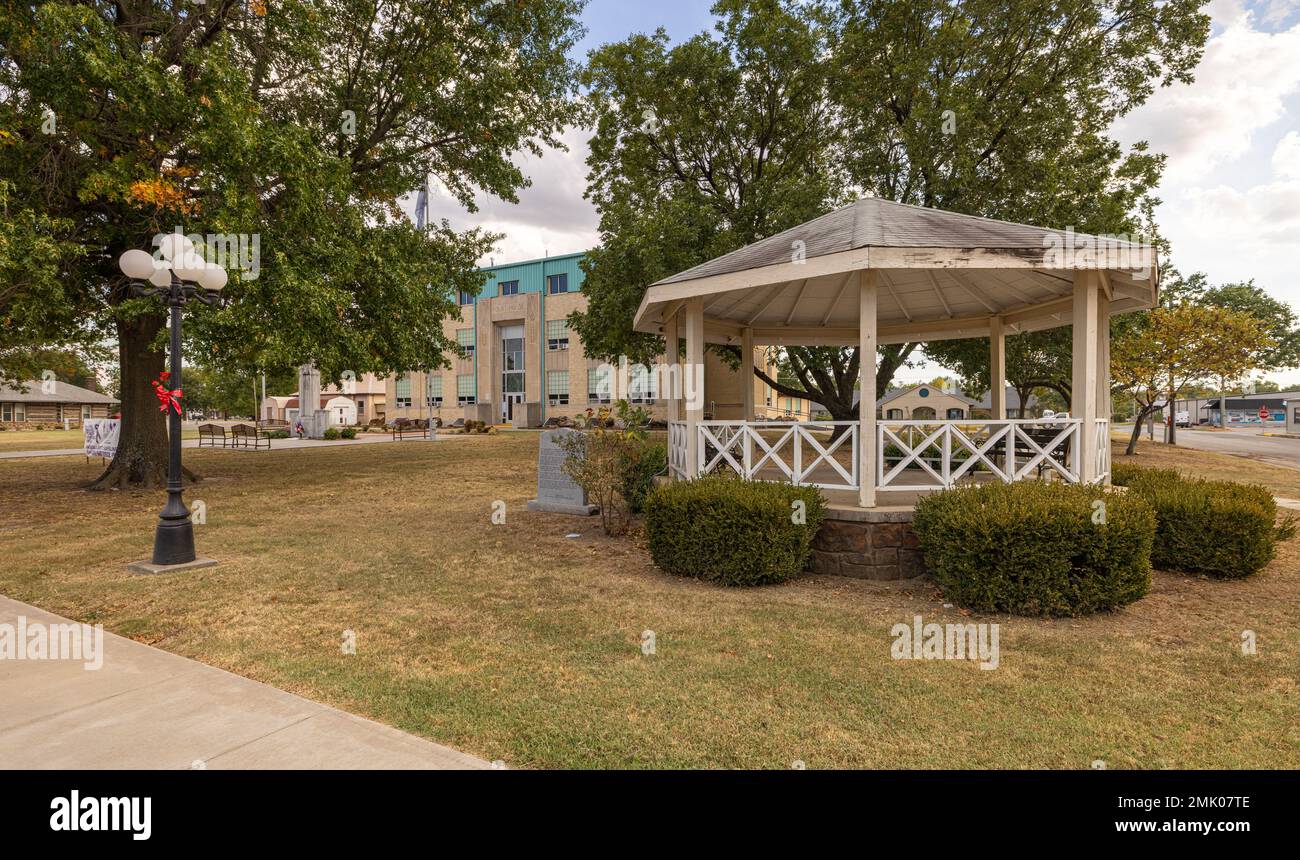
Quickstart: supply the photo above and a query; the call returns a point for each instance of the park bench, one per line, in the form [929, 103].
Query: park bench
[248, 437]
[211, 434]
[1042, 437]
[273, 424]
[404, 427]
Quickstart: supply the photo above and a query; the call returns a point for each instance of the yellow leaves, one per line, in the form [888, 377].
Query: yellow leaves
[7, 137]
[258, 7]
[160, 194]
[1174, 346]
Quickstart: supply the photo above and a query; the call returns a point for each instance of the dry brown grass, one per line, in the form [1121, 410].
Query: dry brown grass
[1207, 464]
[514, 642]
[40, 440]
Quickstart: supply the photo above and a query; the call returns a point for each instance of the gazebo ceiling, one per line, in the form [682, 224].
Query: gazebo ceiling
[939, 275]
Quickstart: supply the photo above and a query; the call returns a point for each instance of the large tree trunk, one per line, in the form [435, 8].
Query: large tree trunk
[141, 458]
[1137, 431]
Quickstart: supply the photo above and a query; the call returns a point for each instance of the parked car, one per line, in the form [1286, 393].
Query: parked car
[1182, 419]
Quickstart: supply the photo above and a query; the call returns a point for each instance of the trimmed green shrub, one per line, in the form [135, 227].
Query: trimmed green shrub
[639, 468]
[1219, 528]
[1124, 474]
[331, 433]
[276, 434]
[349, 433]
[732, 532]
[1037, 548]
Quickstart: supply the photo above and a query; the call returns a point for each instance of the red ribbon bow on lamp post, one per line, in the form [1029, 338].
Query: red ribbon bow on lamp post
[170, 398]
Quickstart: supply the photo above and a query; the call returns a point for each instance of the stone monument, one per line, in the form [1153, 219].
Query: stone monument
[556, 491]
[314, 420]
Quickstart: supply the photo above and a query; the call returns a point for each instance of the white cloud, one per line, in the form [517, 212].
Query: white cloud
[1286, 156]
[1242, 85]
[1246, 222]
[551, 216]
[1231, 189]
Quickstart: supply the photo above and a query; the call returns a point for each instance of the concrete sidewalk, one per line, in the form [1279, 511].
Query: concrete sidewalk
[145, 708]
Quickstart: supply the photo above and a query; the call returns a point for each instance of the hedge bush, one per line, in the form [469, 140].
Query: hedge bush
[1123, 474]
[1220, 528]
[1037, 548]
[331, 433]
[639, 472]
[732, 532]
[349, 433]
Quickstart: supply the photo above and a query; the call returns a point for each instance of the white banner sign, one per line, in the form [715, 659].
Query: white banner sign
[101, 436]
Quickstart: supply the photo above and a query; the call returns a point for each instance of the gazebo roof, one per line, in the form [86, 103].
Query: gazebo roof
[940, 275]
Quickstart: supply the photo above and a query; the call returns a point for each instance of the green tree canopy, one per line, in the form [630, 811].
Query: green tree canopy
[1034, 360]
[1275, 318]
[697, 150]
[1169, 348]
[298, 123]
[996, 109]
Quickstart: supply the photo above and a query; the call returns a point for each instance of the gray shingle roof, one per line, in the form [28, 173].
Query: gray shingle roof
[873, 222]
[63, 393]
[1012, 400]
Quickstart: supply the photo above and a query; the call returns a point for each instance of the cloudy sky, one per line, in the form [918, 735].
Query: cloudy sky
[1231, 190]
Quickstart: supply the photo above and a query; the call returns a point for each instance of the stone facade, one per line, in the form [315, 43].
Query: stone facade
[862, 544]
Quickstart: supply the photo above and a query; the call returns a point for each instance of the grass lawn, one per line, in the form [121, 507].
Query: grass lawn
[514, 642]
[1220, 467]
[40, 440]
[53, 440]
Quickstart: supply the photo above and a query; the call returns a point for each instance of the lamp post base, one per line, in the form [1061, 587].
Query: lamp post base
[173, 539]
[148, 567]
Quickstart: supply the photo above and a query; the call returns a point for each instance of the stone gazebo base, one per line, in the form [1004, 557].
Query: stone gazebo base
[876, 544]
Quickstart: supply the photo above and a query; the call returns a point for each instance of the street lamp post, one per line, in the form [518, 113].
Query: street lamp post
[180, 276]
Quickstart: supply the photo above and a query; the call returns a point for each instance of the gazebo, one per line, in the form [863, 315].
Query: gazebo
[876, 272]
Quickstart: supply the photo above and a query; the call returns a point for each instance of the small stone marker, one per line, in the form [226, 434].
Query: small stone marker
[556, 491]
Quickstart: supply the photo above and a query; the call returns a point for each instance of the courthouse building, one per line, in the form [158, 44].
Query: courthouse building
[517, 359]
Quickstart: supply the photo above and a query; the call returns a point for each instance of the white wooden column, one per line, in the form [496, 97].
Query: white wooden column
[1103, 361]
[867, 388]
[694, 309]
[747, 378]
[997, 370]
[1083, 385]
[674, 368]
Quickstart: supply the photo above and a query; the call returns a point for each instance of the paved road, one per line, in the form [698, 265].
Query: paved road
[1245, 442]
[144, 708]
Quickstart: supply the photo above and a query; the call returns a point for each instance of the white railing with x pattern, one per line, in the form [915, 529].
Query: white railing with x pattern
[926, 455]
[812, 453]
[677, 451]
[1103, 448]
[910, 455]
